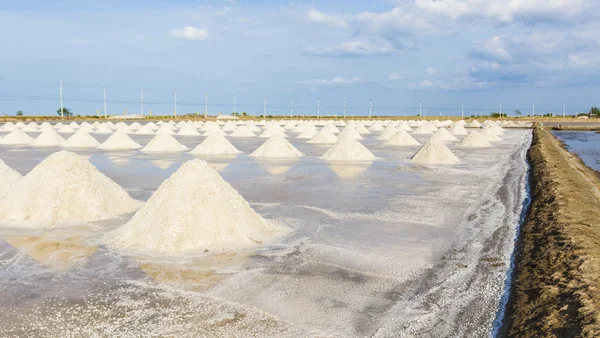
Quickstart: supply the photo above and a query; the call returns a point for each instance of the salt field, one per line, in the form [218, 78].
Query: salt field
[289, 229]
[586, 144]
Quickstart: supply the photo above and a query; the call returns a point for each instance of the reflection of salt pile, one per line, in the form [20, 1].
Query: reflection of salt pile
[48, 138]
[324, 137]
[81, 139]
[474, 140]
[346, 171]
[63, 189]
[276, 146]
[348, 149]
[402, 138]
[119, 141]
[16, 136]
[8, 178]
[215, 145]
[192, 211]
[434, 152]
[164, 143]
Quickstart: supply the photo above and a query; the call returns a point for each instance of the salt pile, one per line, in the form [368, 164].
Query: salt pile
[188, 130]
[271, 132]
[474, 140]
[64, 189]
[145, 130]
[165, 129]
[164, 143]
[425, 129]
[193, 211]
[81, 139]
[119, 141]
[351, 133]
[348, 149]
[215, 145]
[276, 146]
[31, 128]
[15, 137]
[434, 152]
[308, 133]
[103, 129]
[324, 137]
[66, 130]
[473, 124]
[490, 134]
[8, 178]
[376, 126]
[8, 126]
[331, 128]
[242, 131]
[360, 128]
[443, 135]
[387, 133]
[457, 129]
[48, 138]
[402, 138]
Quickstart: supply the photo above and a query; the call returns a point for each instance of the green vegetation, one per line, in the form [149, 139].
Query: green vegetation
[65, 111]
[518, 113]
[19, 113]
[595, 111]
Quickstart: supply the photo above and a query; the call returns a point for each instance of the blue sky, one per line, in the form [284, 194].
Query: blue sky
[441, 52]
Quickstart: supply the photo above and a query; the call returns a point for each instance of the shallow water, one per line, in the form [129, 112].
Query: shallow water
[384, 248]
[586, 144]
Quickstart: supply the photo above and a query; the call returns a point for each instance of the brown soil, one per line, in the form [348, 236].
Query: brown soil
[555, 292]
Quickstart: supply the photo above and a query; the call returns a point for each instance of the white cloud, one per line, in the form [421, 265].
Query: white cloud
[423, 85]
[190, 33]
[430, 71]
[395, 76]
[354, 48]
[316, 16]
[338, 80]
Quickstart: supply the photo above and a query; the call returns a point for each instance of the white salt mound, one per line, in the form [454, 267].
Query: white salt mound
[164, 143]
[215, 145]
[349, 131]
[48, 138]
[276, 146]
[434, 152]
[188, 130]
[66, 130]
[64, 189]
[457, 129]
[15, 137]
[402, 138]
[242, 131]
[307, 133]
[81, 139]
[348, 149]
[145, 130]
[119, 141]
[325, 136]
[192, 211]
[443, 135]
[474, 140]
[387, 133]
[8, 178]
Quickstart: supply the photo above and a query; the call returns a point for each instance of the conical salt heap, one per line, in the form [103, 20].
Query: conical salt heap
[307, 133]
[242, 131]
[473, 124]
[490, 134]
[474, 140]
[277, 147]
[193, 211]
[443, 135]
[66, 130]
[387, 133]
[402, 138]
[119, 141]
[31, 128]
[16, 137]
[215, 145]
[271, 132]
[48, 138]
[425, 129]
[457, 129]
[81, 139]
[103, 129]
[64, 189]
[434, 152]
[8, 126]
[164, 143]
[348, 149]
[8, 178]
[188, 130]
[145, 130]
[349, 131]
[325, 136]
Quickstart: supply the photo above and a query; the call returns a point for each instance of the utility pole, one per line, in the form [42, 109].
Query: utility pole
[142, 102]
[265, 106]
[233, 104]
[291, 106]
[564, 110]
[104, 91]
[370, 107]
[62, 115]
[205, 105]
[533, 111]
[318, 108]
[420, 109]
[344, 107]
[500, 109]
[175, 111]
[462, 106]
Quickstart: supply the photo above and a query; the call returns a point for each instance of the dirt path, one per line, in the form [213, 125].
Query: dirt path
[558, 264]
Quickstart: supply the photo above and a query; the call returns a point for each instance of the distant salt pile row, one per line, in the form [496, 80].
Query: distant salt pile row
[63, 189]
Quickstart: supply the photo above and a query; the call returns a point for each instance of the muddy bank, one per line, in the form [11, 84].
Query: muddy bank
[578, 128]
[555, 291]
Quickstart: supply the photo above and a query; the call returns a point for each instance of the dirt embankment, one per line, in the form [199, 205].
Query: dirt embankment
[556, 288]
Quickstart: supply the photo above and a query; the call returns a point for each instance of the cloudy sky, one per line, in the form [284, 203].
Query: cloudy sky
[397, 53]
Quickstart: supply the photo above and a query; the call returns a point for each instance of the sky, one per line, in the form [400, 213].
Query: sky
[397, 53]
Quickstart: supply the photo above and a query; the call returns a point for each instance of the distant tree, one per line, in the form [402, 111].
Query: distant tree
[19, 113]
[65, 111]
[518, 113]
[495, 114]
[595, 111]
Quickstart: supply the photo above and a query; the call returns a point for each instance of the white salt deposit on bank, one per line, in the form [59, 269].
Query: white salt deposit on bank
[81, 139]
[164, 143]
[348, 149]
[215, 145]
[434, 152]
[48, 138]
[8, 178]
[16, 137]
[64, 189]
[192, 211]
[119, 141]
[402, 138]
[474, 140]
[324, 136]
[277, 147]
